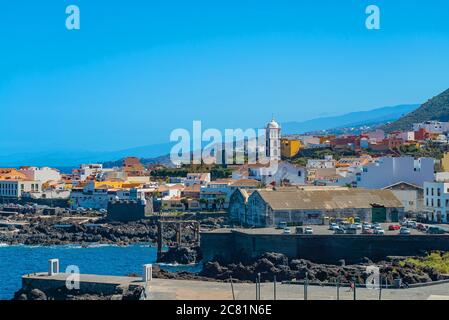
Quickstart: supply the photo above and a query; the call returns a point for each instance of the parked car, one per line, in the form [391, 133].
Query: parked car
[333, 226]
[435, 230]
[421, 227]
[404, 231]
[379, 230]
[376, 225]
[411, 224]
[282, 225]
[358, 226]
[287, 231]
[367, 226]
[394, 227]
[308, 230]
[351, 230]
[339, 230]
[367, 231]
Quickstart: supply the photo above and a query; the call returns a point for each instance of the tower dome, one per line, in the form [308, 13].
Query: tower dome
[273, 125]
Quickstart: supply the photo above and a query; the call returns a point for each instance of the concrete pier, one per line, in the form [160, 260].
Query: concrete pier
[88, 283]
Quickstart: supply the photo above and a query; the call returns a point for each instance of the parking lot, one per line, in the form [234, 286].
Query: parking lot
[324, 230]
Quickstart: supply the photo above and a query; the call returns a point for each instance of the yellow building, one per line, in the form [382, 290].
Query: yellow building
[445, 162]
[109, 184]
[290, 148]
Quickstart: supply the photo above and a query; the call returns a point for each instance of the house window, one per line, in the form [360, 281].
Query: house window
[438, 203]
[439, 192]
[299, 173]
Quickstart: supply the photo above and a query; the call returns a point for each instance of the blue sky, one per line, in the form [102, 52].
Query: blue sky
[138, 69]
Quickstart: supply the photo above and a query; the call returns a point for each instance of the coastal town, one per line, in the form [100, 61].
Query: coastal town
[336, 204]
[220, 159]
[411, 167]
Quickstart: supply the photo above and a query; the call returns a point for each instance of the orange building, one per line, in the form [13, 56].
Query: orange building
[11, 174]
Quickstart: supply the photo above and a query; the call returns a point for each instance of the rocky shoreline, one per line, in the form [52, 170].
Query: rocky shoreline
[54, 231]
[270, 265]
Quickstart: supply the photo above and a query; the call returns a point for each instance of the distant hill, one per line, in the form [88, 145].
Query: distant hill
[353, 119]
[436, 108]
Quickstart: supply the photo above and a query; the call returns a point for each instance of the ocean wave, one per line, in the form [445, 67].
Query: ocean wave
[76, 246]
[178, 265]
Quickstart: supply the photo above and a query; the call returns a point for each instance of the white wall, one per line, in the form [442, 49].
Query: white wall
[409, 199]
[388, 171]
[286, 171]
[43, 174]
[15, 189]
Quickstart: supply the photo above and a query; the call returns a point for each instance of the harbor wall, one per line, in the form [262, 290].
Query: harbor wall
[237, 246]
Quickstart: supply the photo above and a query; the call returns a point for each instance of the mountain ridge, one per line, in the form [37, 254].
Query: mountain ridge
[357, 118]
[436, 108]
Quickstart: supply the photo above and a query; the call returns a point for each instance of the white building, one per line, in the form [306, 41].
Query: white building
[387, 171]
[273, 141]
[47, 194]
[411, 196]
[436, 201]
[279, 173]
[197, 178]
[327, 163]
[43, 174]
[16, 188]
[88, 197]
[407, 135]
[169, 191]
[88, 170]
[432, 126]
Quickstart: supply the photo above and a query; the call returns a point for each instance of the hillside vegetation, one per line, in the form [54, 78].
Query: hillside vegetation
[436, 260]
[436, 108]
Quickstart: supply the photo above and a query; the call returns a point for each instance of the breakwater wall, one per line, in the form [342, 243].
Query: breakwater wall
[235, 246]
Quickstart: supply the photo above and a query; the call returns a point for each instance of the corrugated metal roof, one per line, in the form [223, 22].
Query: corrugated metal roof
[329, 199]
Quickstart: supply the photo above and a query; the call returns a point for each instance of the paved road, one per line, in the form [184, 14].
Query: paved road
[197, 290]
[165, 289]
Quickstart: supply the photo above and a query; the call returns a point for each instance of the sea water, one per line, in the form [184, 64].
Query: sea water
[18, 260]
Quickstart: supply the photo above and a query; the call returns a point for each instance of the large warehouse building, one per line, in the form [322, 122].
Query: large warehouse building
[267, 208]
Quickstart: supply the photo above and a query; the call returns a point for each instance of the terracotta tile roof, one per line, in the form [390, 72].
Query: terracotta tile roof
[193, 188]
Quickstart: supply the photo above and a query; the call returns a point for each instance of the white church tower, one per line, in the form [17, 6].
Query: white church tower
[273, 138]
